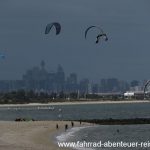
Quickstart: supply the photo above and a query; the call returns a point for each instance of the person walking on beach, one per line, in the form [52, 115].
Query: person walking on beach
[72, 123]
[66, 127]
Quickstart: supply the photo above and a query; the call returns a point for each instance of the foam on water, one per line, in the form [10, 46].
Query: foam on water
[65, 136]
[104, 133]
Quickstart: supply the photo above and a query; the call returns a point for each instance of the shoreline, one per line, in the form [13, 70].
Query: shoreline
[75, 103]
[35, 135]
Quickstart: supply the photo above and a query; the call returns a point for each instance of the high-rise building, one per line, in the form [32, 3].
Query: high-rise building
[95, 88]
[60, 78]
[84, 86]
[72, 83]
[36, 78]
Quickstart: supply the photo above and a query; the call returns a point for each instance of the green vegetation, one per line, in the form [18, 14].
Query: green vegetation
[25, 97]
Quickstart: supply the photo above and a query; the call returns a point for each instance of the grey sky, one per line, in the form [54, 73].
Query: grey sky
[125, 55]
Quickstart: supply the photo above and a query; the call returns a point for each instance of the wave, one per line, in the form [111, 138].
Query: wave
[65, 136]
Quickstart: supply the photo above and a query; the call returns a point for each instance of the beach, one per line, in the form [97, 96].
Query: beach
[80, 102]
[32, 135]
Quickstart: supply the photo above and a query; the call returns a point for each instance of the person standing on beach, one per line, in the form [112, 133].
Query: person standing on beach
[57, 127]
[80, 122]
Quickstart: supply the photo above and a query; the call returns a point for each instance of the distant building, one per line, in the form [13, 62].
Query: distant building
[84, 86]
[136, 88]
[113, 85]
[134, 95]
[71, 83]
[36, 78]
[128, 94]
[60, 79]
[95, 88]
[11, 85]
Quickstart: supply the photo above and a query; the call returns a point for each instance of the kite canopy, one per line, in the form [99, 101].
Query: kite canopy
[56, 25]
[86, 31]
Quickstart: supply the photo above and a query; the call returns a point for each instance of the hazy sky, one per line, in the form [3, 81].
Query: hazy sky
[124, 56]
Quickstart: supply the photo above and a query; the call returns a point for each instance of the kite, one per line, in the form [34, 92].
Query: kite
[54, 24]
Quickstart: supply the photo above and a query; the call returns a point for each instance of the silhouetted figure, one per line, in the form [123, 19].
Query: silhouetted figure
[80, 122]
[101, 35]
[66, 127]
[117, 130]
[57, 127]
[72, 123]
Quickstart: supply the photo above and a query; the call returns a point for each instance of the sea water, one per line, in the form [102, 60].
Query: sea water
[76, 112]
[112, 133]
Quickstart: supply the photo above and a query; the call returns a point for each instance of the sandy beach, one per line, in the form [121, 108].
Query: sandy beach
[81, 102]
[34, 135]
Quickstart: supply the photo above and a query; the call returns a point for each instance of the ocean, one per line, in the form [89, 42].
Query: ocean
[76, 112]
[129, 134]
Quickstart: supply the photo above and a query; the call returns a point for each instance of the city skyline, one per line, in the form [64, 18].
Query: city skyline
[38, 78]
[53, 69]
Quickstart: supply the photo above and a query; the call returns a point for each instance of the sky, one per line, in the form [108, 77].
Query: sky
[125, 55]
